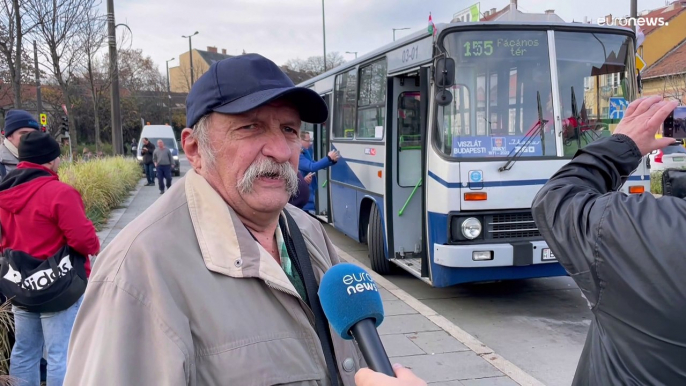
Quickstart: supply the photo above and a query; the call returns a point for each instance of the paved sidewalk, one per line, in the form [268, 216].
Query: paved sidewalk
[142, 197]
[413, 334]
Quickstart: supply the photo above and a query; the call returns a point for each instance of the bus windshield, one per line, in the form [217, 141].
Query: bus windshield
[503, 95]
[595, 84]
[500, 77]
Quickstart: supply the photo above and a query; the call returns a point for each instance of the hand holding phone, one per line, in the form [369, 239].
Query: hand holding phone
[674, 126]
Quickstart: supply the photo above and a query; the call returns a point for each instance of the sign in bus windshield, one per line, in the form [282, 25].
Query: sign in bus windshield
[485, 146]
[491, 44]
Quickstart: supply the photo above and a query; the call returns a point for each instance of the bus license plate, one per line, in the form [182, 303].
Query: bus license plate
[548, 255]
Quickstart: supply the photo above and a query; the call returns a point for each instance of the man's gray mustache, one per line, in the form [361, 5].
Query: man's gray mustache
[267, 167]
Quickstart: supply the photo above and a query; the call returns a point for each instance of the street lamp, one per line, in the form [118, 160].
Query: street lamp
[190, 52]
[398, 29]
[169, 92]
[352, 52]
[324, 34]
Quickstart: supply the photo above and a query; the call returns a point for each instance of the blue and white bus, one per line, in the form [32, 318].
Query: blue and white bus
[446, 138]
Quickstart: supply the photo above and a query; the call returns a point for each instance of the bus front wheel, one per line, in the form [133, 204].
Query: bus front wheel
[377, 258]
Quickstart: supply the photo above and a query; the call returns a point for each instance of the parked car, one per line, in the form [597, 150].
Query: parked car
[166, 134]
[673, 156]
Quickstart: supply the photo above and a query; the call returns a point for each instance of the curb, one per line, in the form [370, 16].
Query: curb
[479, 348]
[117, 213]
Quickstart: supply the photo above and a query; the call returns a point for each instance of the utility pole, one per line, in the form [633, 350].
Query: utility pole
[634, 14]
[398, 29]
[39, 101]
[117, 135]
[190, 52]
[169, 93]
[324, 34]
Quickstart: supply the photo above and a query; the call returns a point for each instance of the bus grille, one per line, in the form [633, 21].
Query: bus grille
[511, 226]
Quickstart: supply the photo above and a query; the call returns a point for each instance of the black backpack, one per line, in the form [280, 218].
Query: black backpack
[36, 285]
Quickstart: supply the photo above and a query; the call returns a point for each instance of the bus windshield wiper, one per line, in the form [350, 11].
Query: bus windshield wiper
[539, 128]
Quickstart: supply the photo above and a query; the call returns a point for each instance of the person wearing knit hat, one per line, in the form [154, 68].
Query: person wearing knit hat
[17, 124]
[40, 215]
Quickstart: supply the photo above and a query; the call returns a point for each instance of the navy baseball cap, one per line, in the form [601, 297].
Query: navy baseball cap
[241, 83]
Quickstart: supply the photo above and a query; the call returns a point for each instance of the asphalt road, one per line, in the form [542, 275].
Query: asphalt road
[539, 325]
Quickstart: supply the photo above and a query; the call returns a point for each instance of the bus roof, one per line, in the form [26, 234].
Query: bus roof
[444, 26]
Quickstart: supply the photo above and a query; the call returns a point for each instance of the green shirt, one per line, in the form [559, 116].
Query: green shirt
[287, 265]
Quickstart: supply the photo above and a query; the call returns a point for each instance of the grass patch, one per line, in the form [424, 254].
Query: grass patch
[103, 183]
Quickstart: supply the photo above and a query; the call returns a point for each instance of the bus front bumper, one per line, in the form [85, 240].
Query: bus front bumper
[493, 255]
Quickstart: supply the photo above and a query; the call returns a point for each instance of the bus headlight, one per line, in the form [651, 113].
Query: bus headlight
[471, 228]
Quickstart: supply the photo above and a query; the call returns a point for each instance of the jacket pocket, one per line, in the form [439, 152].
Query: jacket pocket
[265, 360]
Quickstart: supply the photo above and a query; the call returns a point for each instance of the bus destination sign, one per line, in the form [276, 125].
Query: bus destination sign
[501, 47]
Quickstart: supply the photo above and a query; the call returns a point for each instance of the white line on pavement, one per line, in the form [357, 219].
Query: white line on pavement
[508, 368]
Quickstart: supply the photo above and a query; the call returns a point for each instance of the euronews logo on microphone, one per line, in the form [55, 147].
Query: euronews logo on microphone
[359, 282]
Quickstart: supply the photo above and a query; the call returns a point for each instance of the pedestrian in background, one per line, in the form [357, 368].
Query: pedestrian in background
[39, 217]
[301, 197]
[163, 159]
[307, 165]
[17, 124]
[147, 151]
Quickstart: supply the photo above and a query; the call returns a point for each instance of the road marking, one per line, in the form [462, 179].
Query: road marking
[479, 348]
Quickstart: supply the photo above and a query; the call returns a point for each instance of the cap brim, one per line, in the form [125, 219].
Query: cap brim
[310, 105]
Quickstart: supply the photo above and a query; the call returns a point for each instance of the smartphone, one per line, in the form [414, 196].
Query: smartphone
[309, 174]
[674, 125]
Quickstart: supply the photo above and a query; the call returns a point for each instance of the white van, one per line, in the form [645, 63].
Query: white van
[166, 134]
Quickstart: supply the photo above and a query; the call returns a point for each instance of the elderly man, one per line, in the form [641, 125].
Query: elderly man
[17, 124]
[228, 296]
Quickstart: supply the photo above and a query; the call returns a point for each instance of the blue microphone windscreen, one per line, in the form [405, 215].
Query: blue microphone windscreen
[348, 294]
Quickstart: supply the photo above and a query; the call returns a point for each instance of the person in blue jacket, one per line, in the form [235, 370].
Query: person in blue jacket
[307, 165]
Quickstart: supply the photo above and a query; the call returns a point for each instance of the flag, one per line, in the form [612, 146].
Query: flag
[640, 37]
[432, 26]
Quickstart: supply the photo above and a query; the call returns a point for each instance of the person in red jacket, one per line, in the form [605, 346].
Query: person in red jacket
[39, 215]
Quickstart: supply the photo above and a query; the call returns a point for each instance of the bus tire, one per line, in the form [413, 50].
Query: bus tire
[375, 244]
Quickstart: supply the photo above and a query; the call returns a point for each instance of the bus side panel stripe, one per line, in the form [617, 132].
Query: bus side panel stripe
[495, 184]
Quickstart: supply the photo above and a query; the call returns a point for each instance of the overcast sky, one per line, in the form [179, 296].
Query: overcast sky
[286, 29]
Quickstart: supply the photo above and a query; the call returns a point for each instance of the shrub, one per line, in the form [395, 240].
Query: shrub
[104, 183]
[6, 325]
[656, 182]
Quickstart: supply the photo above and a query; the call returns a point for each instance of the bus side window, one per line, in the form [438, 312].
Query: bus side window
[409, 140]
[409, 135]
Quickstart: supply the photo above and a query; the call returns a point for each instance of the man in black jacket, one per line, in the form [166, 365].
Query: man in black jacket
[146, 151]
[625, 254]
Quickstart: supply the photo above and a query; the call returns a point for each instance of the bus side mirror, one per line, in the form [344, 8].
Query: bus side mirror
[445, 72]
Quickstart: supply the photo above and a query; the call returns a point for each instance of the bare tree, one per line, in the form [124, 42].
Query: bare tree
[98, 81]
[13, 28]
[675, 87]
[60, 27]
[314, 65]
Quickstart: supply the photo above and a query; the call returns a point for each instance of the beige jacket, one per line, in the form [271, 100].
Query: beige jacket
[185, 296]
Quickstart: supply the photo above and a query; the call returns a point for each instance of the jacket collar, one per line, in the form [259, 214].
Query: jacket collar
[225, 243]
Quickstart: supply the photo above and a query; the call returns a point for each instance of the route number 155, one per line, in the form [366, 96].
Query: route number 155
[478, 48]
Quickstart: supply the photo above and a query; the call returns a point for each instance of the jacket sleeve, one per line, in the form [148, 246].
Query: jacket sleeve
[71, 219]
[602, 237]
[117, 339]
[307, 166]
[154, 156]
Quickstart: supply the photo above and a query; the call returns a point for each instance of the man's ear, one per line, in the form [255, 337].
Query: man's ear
[191, 149]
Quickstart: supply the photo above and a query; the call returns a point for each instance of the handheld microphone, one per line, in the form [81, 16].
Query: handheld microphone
[352, 303]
